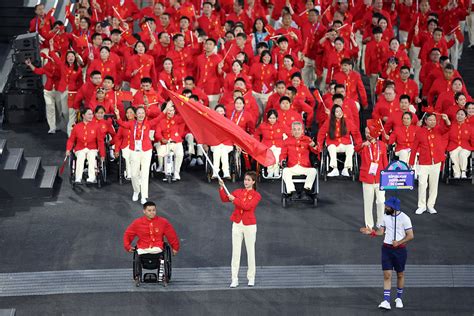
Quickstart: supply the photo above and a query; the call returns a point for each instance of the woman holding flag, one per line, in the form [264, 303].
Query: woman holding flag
[244, 226]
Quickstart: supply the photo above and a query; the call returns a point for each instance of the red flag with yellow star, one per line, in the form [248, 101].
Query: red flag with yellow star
[211, 128]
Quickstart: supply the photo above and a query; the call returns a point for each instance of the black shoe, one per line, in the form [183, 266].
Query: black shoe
[293, 195]
[306, 194]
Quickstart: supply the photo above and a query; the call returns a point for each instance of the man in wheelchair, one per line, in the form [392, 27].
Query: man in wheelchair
[297, 149]
[151, 248]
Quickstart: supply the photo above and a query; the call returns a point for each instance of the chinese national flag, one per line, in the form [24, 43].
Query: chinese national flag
[212, 129]
[81, 41]
[375, 127]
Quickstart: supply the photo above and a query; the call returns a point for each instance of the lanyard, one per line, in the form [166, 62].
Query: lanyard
[240, 116]
[135, 130]
[378, 152]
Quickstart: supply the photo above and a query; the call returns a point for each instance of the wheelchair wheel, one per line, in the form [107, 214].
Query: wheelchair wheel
[137, 269]
[167, 259]
[284, 201]
[315, 201]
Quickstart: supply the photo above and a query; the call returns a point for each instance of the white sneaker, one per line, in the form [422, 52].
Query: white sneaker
[385, 305]
[398, 303]
[214, 176]
[345, 172]
[431, 210]
[251, 282]
[135, 196]
[199, 161]
[160, 169]
[226, 176]
[457, 175]
[334, 173]
[143, 200]
[270, 174]
[176, 177]
[235, 283]
[420, 210]
[463, 175]
[52, 131]
[193, 162]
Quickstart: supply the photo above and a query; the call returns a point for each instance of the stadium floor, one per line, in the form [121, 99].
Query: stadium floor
[83, 230]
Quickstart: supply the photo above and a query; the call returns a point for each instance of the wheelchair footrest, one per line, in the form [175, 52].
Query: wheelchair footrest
[150, 278]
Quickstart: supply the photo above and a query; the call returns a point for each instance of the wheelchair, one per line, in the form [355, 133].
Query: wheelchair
[100, 172]
[299, 181]
[324, 168]
[235, 166]
[160, 263]
[168, 167]
[263, 175]
[447, 171]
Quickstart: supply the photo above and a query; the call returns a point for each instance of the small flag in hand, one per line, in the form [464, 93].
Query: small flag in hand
[61, 169]
[375, 127]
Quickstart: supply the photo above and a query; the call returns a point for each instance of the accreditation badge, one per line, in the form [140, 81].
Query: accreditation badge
[373, 168]
[138, 145]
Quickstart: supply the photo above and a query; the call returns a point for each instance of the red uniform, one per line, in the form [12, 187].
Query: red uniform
[272, 135]
[409, 87]
[403, 136]
[288, 117]
[375, 153]
[354, 86]
[145, 64]
[86, 93]
[245, 203]
[430, 144]
[374, 56]
[150, 233]
[208, 77]
[351, 130]
[461, 135]
[383, 108]
[122, 139]
[243, 119]
[297, 151]
[86, 135]
[170, 128]
[263, 77]
[395, 120]
[140, 131]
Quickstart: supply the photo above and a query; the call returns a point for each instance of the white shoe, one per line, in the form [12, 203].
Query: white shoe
[432, 210]
[277, 174]
[345, 172]
[234, 284]
[176, 177]
[199, 161]
[52, 131]
[270, 174]
[160, 169]
[463, 175]
[214, 176]
[398, 303]
[193, 162]
[135, 196]
[385, 305]
[143, 200]
[251, 282]
[457, 175]
[420, 210]
[334, 173]
[226, 176]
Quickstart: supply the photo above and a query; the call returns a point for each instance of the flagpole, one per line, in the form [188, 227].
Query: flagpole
[213, 168]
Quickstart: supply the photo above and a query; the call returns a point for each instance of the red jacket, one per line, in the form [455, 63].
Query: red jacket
[122, 139]
[272, 134]
[461, 135]
[170, 128]
[145, 64]
[245, 202]
[354, 86]
[351, 130]
[409, 88]
[87, 93]
[395, 120]
[53, 75]
[430, 144]
[208, 77]
[377, 153]
[403, 136]
[137, 128]
[263, 77]
[288, 117]
[86, 135]
[374, 56]
[150, 233]
[297, 151]
[383, 108]
[70, 79]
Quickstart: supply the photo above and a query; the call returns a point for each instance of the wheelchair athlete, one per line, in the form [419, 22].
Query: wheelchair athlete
[297, 148]
[87, 139]
[336, 132]
[150, 230]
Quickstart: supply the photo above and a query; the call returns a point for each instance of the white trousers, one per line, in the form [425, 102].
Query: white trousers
[309, 72]
[459, 157]
[403, 36]
[373, 85]
[276, 167]
[403, 155]
[341, 148]
[213, 100]
[415, 61]
[262, 100]
[191, 145]
[322, 84]
[152, 250]
[140, 171]
[177, 148]
[297, 170]
[126, 153]
[370, 191]
[52, 100]
[220, 155]
[249, 234]
[72, 120]
[82, 155]
[428, 177]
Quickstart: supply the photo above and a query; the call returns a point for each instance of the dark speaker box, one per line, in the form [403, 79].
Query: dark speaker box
[28, 41]
[15, 100]
[29, 83]
[19, 57]
[22, 71]
[24, 116]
